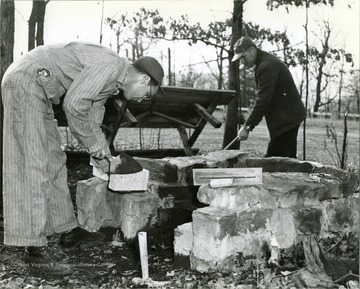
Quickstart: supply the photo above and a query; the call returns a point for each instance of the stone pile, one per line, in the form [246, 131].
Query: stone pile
[98, 207]
[296, 199]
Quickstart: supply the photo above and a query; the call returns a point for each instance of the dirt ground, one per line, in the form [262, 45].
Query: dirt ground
[116, 264]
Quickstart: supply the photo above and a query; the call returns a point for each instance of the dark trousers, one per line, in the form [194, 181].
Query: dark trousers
[284, 145]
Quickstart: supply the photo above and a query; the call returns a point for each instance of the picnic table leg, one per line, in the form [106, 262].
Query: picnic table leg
[185, 140]
[203, 121]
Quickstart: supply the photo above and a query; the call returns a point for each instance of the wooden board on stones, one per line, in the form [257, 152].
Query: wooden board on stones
[225, 177]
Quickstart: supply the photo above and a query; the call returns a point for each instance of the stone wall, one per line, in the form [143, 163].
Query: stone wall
[296, 199]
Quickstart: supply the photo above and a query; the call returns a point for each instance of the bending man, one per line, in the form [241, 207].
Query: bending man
[36, 197]
[277, 99]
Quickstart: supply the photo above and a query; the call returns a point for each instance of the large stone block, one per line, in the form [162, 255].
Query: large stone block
[281, 190]
[93, 205]
[160, 170]
[349, 180]
[280, 164]
[183, 242]
[99, 208]
[237, 198]
[296, 189]
[220, 233]
[139, 213]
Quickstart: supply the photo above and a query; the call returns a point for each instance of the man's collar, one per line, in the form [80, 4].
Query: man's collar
[125, 71]
[258, 57]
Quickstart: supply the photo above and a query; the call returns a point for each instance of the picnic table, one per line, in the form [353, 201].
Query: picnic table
[181, 108]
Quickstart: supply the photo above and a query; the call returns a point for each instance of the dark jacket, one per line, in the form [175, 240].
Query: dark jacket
[277, 96]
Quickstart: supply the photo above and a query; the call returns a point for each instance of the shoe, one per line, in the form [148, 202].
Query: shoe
[41, 261]
[79, 238]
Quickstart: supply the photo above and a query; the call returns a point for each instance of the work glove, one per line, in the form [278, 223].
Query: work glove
[101, 154]
[243, 133]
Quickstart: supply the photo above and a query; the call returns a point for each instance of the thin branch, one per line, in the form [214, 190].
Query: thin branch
[351, 274]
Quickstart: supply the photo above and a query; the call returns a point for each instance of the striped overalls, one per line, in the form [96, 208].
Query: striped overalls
[36, 198]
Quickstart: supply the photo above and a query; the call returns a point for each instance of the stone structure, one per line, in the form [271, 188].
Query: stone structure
[295, 200]
[99, 207]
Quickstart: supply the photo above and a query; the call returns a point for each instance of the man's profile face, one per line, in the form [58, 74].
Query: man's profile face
[140, 90]
[249, 57]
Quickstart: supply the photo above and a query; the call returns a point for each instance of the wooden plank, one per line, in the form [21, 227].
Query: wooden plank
[175, 120]
[209, 117]
[119, 103]
[231, 176]
[193, 95]
[185, 140]
[203, 121]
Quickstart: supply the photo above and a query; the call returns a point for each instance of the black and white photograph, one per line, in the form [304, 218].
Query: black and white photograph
[197, 144]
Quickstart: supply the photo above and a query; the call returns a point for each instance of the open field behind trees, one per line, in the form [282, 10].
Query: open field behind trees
[211, 140]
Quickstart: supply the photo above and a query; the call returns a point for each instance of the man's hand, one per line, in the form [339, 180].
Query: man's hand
[100, 154]
[243, 133]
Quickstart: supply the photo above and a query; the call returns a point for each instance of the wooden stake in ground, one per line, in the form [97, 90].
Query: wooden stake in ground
[142, 236]
[145, 280]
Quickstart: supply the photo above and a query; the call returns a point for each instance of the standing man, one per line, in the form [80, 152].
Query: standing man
[277, 99]
[36, 197]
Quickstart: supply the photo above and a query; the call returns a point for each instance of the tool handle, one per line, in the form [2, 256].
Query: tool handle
[231, 143]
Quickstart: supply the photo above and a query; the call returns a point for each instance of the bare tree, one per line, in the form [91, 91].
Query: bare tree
[7, 29]
[322, 56]
[36, 24]
[233, 113]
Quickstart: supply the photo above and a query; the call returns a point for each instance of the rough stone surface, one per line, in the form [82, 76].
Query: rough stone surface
[183, 239]
[139, 213]
[296, 189]
[349, 180]
[238, 198]
[342, 216]
[220, 233]
[99, 208]
[278, 190]
[279, 164]
[160, 169]
[92, 200]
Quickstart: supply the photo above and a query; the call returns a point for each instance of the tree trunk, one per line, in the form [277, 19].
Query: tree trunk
[36, 24]
[232, 115]
[7, 29]
[318, 89]
[322, 63]
[169, 66]
[221, 77]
